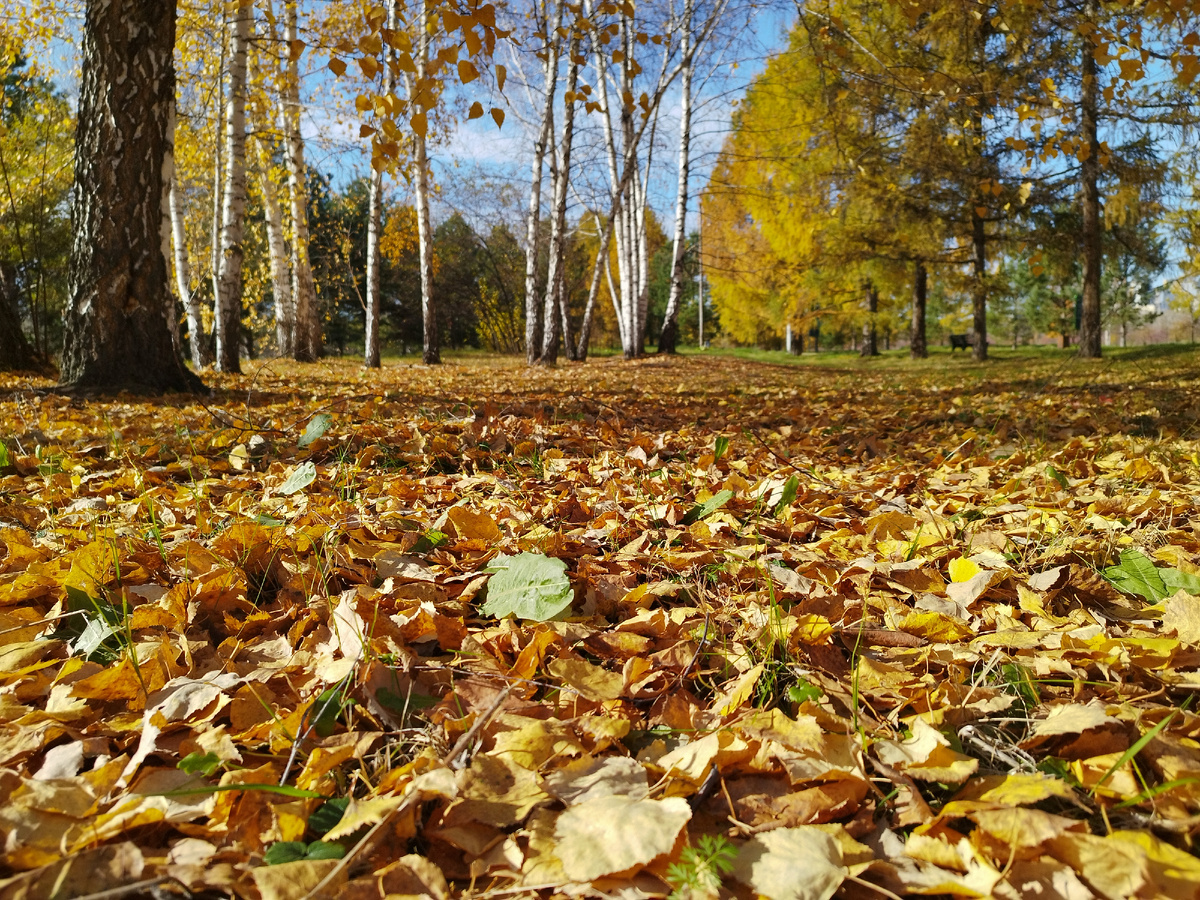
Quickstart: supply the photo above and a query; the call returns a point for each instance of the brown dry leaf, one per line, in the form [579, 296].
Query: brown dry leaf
[934, 558]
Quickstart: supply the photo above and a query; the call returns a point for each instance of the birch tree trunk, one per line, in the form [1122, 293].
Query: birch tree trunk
[533, 310]
[668, 338]
[218, 170]
[371, 357]
[558, 227]
[233, 202]
[307, 344]
[197, 343]
[118, 317]
[1089, 325]
[430, 354]
[281, 286]
[585, 330]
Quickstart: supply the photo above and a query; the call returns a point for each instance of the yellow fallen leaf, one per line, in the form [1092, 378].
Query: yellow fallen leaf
[803, 863]
[294, 880]
[588, 680]
[611, 835]
[471, 525]
[362, 813]
[1181, 614]
[963, 569]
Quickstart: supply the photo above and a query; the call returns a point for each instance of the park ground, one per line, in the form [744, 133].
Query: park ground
[704, 625]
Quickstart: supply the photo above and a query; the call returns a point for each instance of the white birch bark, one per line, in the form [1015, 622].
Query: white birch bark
[281, 286]
[533, 311]
[668, 337]
[307, 346]
[628, 192]
[197, 345]
[598, 268]
[555, 301]
[217, 192]
[233, 203]
[371, 357]
[430, 354]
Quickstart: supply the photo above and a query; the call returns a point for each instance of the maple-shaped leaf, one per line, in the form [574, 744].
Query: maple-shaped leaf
[528, 586]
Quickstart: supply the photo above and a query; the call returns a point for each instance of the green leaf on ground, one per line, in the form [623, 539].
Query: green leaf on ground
[302, 476]
[528, 586]
[317, 426]
[1137, 575]
[707, 508]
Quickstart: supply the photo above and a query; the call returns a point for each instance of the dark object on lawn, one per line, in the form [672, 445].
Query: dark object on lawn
[960, 342]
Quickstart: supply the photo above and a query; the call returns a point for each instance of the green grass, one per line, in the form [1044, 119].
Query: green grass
[941, 357]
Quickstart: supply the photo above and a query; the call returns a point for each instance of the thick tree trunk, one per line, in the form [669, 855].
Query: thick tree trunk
[558, 226]
[118, 318]
[870, 342]
[375, 230]
[1089, 326]
[533, 309]
[281, 286]
[668, 338]
[308, 343]
[197, 342]
[917, 346]
[233, 205]
[15, 353]
[430, 353]
[979, 286]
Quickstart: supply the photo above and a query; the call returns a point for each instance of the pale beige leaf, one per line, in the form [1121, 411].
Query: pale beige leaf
[616, 834]
[1182, 616]
[1072, 718]
[803, 863]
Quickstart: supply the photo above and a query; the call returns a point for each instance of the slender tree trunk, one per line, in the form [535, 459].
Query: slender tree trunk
[374, 260]
[568, 343]
[307, 341]
[218, 172]
[233, 203]
[197, 343]
[558, 227]
[281, 286]
[118, 318]
[917, 345]
[15, 353]
[430, 354]
[668, 338]
[533, 309]
[870, 343]
[375, 228]
[979, 286]
[1089, 327]
[598, 267]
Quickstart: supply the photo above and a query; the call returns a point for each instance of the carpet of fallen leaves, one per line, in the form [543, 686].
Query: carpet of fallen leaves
[242, 650]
